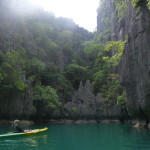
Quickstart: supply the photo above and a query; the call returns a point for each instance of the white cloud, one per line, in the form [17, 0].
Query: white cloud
[83, 12]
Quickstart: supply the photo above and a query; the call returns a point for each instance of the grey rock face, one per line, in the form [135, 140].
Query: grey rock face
[19, 106]
[107, 22]
[105, 111]
[85, 104]
[135, 64]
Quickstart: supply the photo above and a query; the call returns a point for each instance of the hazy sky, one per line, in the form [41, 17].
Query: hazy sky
[83, 12]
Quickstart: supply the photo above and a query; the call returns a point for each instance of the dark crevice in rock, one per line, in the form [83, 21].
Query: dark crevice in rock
[144, 116]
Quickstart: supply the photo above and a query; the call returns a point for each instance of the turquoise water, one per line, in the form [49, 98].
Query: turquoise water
[80, 137]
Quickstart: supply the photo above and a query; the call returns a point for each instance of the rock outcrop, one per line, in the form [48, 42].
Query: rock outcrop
[85, 105]
[107, 111]
[83, 102]
[18, 106]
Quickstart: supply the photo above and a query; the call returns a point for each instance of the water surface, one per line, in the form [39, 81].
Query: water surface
[80, 137]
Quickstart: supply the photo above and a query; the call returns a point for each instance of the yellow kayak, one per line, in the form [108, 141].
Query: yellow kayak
[35, 131]
[27, 132]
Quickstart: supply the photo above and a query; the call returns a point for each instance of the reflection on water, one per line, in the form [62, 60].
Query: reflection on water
[23, 142]
[35, 140]
[80, 137]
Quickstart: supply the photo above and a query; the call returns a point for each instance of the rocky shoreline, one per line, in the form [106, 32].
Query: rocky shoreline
[135, 123]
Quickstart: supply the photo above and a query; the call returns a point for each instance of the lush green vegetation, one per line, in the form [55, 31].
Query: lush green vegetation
[104, 75]
[121, 7]
[117, 48]
[148, 4]
[105, 78]
[41, 52]
[47, 94]
[52, 55]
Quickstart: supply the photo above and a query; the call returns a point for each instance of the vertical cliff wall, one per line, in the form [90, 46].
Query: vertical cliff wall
[88, 106]
[135, 64]
[108, 25]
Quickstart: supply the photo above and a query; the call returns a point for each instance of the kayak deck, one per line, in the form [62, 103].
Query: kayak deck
[35, 131]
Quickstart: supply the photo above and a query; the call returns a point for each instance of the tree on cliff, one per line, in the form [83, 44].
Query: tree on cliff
[35, 47]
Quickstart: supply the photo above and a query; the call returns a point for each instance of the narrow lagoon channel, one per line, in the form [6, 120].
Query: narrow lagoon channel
[80, 137]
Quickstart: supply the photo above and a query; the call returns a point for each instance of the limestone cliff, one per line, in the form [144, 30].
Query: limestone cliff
[20, 105]
[135, 63]
[83, 103]
[86, 105]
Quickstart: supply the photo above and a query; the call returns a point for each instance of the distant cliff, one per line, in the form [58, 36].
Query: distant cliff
[35, 48]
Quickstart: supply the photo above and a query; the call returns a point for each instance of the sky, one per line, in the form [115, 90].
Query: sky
[83, 12]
